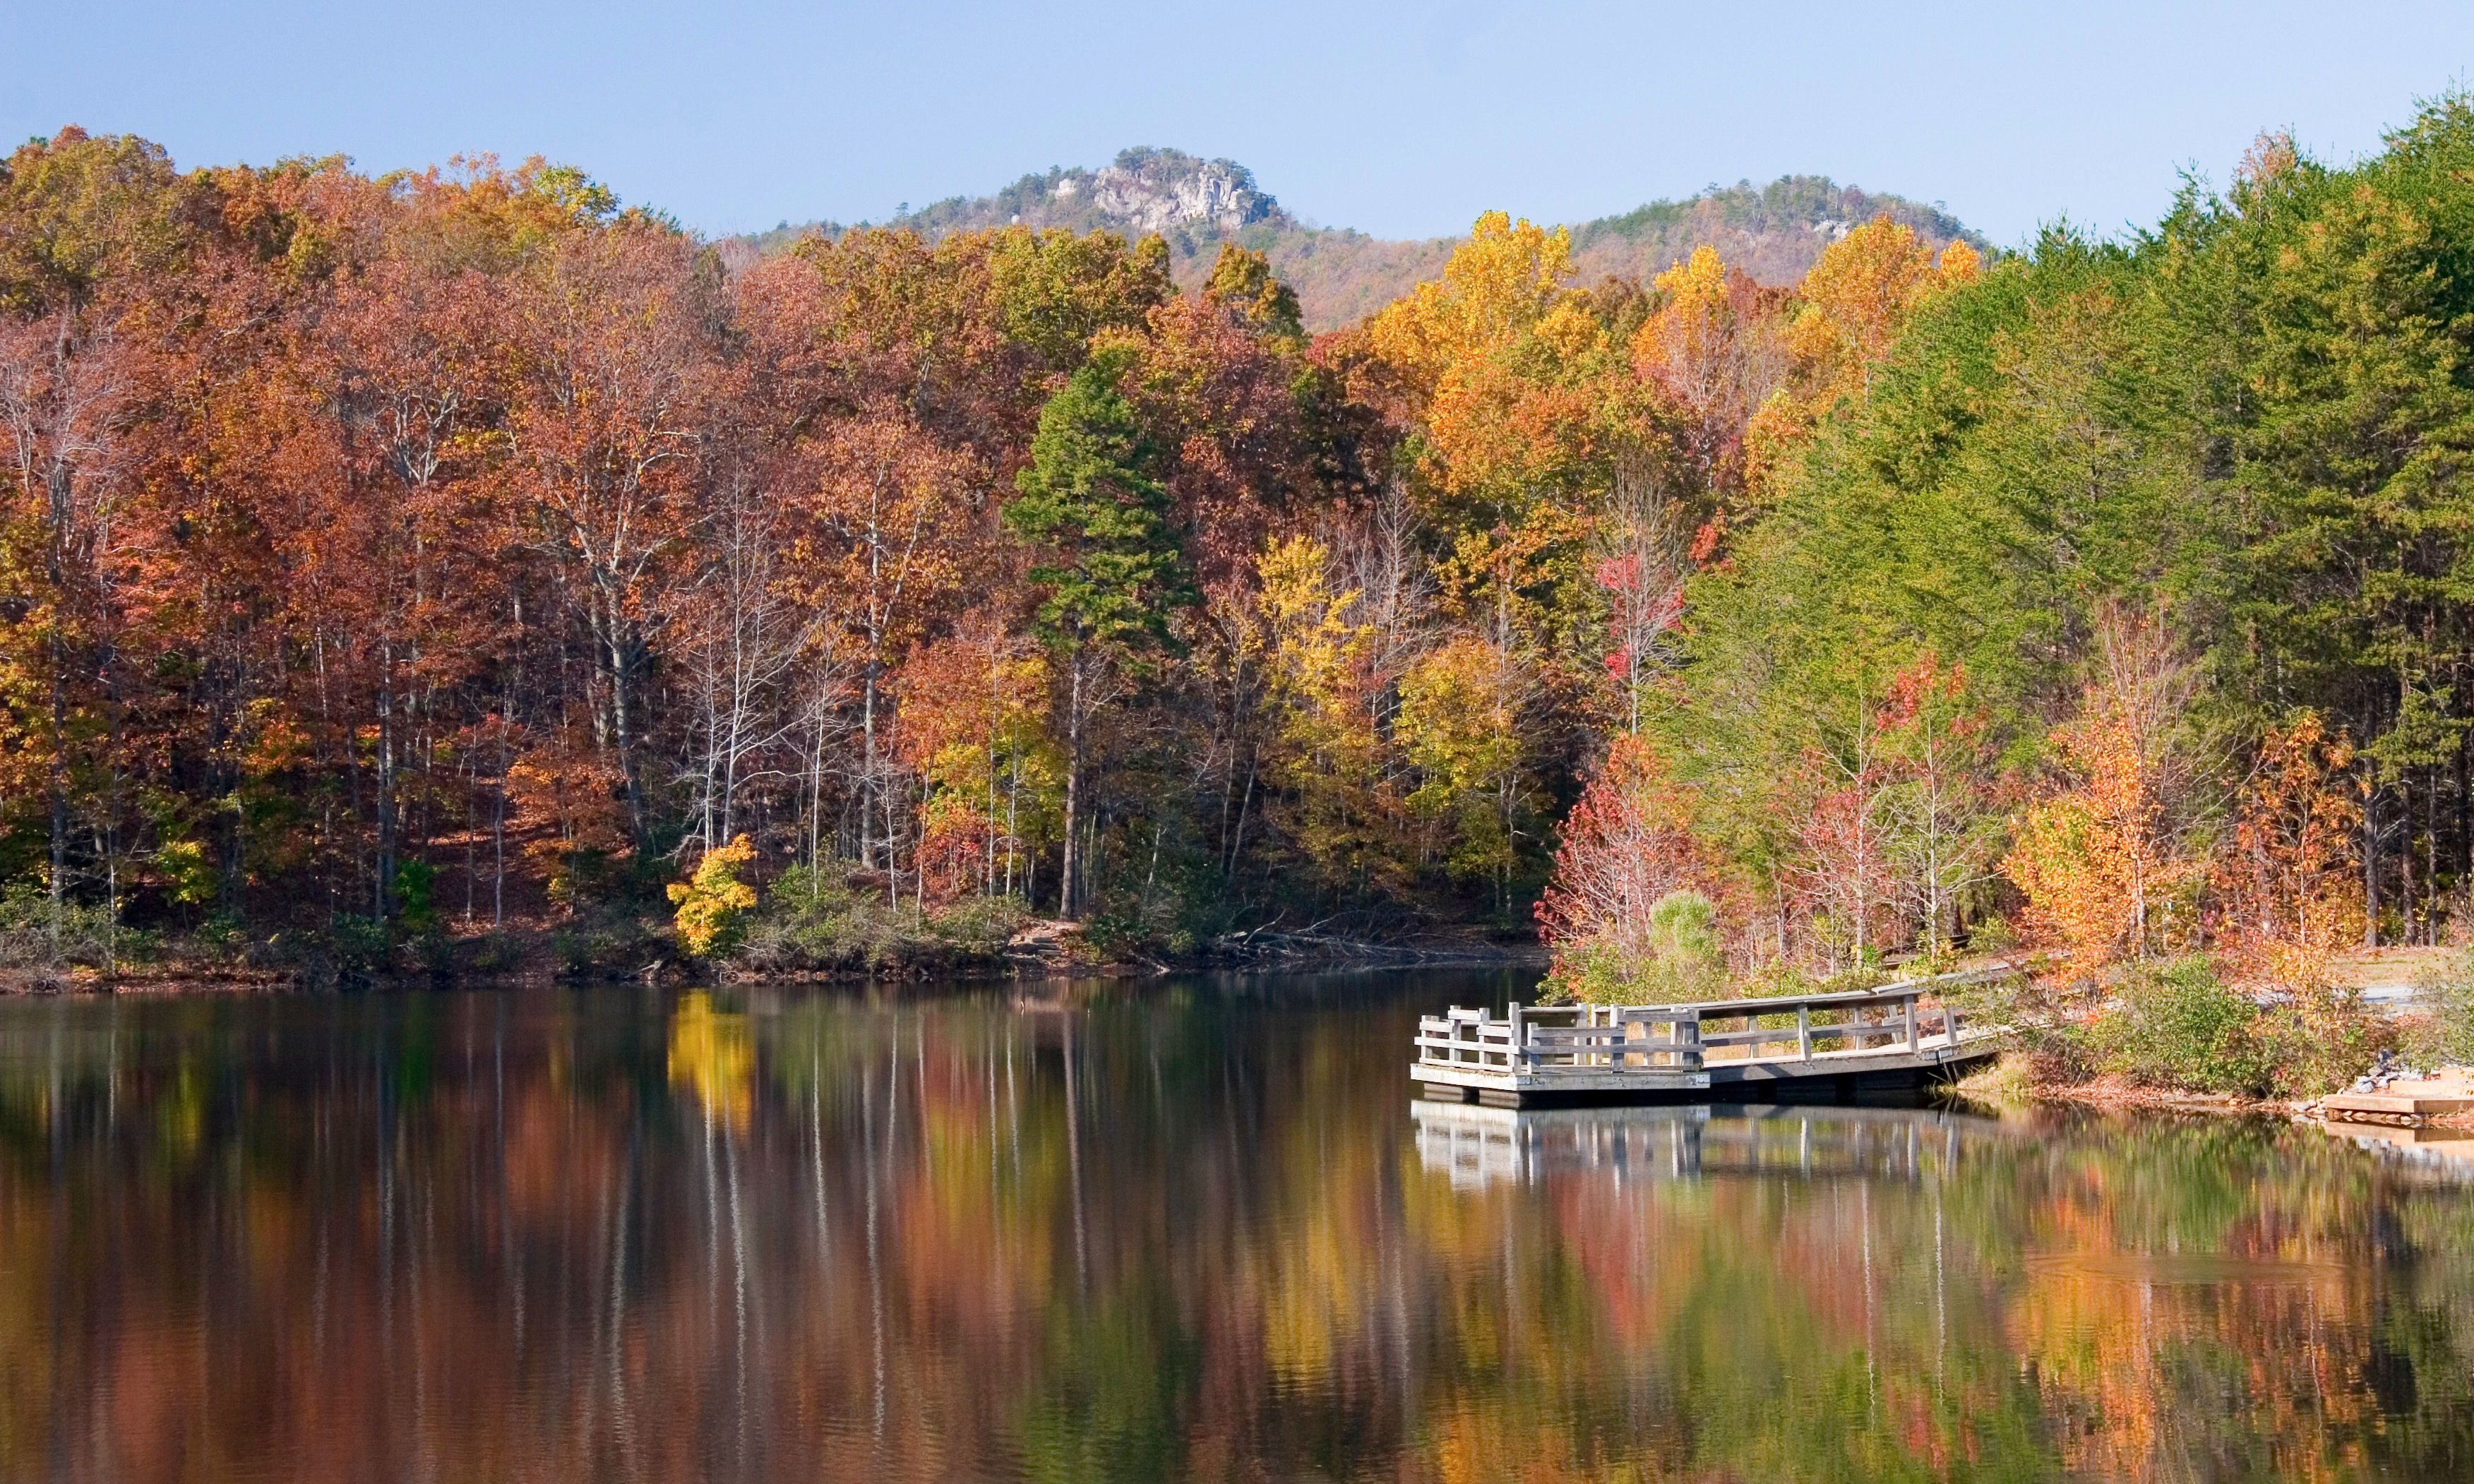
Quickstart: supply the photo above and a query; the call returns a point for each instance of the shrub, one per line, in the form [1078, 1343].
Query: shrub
[2447, 999]
[711, 902]
[2323, 1039]
[361, 944]
[86, 932]
[602, 938]
[1677, 958]
[414, 883]
[2009, 1082]
[497, 953]
[1994, 934]
[979, 924]
[812, 920]
[1111, 937]
[2177, 1025]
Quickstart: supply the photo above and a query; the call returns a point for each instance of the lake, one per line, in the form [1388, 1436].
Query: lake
[1169, 1229]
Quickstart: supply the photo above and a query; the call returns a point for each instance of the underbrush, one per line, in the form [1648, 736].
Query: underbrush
[2441, 1030]
[808, 924]
[2178, 1026]
[83, 936]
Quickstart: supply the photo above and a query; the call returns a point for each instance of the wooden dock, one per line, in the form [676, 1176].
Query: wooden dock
[1899, 1035]
[2399, 1106]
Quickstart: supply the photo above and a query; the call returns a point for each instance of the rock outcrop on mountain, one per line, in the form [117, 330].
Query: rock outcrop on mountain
[1772, 232]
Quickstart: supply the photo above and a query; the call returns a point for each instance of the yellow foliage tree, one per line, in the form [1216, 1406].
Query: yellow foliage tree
[1856, 299]
[1520, 381]
[1498, 283]
[1459, 724]
[711, 901]
[1712, 355]
[1331, 755]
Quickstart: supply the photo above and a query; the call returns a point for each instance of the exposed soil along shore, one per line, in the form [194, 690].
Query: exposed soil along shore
[2004, 1083]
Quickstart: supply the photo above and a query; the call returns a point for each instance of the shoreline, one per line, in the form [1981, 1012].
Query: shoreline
[2111, 1096]
[1336, 955]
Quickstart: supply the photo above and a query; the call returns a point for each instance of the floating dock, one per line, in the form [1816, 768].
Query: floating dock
[1898, 1037]
[2399, 1105]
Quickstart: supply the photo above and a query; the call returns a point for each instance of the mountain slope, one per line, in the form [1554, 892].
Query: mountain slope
[1772, 232]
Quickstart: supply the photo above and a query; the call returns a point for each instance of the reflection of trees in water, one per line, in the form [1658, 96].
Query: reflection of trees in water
[612, 1234]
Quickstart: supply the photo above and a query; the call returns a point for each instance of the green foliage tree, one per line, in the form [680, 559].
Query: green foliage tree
[1243, 281]
[1113, 569]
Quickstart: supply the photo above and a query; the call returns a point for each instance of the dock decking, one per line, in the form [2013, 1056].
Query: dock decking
[1898, 1035]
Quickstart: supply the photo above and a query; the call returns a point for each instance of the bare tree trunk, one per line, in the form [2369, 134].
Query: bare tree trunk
[383, 878]
[867, 762]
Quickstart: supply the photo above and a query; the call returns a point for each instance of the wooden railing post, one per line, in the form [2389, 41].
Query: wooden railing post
[1688, 1042]
[1803, 1031]
[1519, 1049]
[1908, 1014]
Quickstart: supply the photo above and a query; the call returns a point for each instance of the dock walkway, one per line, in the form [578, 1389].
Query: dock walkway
[1898, 1035]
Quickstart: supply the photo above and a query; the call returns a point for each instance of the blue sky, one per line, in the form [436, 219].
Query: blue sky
[1400, 119]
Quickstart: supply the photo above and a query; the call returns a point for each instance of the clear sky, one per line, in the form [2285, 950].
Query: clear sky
[1401, 119]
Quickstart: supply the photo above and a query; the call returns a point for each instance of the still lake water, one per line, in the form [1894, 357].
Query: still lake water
[1169, 1230]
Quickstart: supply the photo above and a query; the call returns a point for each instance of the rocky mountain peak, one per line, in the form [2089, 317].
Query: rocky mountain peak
[1153, 190]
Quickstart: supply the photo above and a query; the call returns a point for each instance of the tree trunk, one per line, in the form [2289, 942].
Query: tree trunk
[61, 490]
[2405, 856]
[621, 723]
[1068, 895]
[867, 763]
[2371, 867]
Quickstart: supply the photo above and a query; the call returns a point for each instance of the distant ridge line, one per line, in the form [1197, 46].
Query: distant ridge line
[1341, 274]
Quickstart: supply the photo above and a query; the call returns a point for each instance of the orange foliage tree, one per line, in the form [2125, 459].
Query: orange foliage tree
[2287, 881]
[2104, 878]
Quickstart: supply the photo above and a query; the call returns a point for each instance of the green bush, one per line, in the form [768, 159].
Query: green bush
[415, 881]
[2195, 1031]
[1682, 963]
[1992, 935]
[1111, 937]
[361, 944]
[2178, 1026]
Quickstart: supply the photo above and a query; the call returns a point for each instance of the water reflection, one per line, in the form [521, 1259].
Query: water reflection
[1476, 1146]
[1198, 1232]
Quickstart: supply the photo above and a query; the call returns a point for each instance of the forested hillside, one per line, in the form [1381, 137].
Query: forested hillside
[387, 561]
[1772, 233]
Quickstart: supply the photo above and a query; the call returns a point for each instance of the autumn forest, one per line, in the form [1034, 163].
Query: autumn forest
[442, 570]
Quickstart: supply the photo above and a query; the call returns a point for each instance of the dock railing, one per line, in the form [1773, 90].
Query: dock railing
[1535, 1040]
